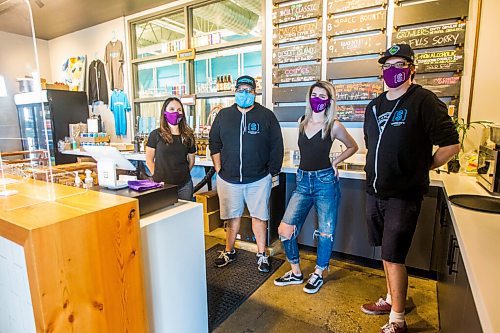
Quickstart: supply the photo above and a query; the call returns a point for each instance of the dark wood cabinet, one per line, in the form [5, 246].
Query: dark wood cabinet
[457, 311]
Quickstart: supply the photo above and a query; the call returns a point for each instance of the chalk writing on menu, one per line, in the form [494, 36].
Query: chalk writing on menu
[356, 46]
[442, 86]
[297, 32]
[356, 23]
[432, 36]
[339, 6]
[440, 61]
[297, 73]
[305, 52]
[358, 91]
[351, 112]
[295, 12]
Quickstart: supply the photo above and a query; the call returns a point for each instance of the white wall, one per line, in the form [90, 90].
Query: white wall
[487, 76]
[17, 59]
[91, 42]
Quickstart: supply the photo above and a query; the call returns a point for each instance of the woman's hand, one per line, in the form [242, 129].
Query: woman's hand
[335, 170]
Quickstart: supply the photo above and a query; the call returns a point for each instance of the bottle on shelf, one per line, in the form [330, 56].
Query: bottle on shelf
[217, 84]
[230, 83]
[225, 82]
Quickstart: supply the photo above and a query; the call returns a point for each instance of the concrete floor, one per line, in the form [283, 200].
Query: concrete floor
[335, 308]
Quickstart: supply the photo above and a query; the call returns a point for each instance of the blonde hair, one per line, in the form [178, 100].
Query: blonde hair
[330, 111]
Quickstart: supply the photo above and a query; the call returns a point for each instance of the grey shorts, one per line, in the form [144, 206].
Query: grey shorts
[233, 197]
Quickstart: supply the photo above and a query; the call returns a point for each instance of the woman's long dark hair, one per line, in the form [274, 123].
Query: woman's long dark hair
[187, 133]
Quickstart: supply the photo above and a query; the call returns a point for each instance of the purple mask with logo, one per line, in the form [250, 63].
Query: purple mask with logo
[318, 104]
[394, 77]
[173, 118]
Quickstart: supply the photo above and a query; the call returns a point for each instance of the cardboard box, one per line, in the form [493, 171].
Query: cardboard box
[210, 201]
[212, 221]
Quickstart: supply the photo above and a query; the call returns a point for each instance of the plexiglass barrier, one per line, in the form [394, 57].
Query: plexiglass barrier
[27, 148]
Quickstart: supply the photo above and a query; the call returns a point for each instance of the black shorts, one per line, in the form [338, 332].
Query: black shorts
[391, 224]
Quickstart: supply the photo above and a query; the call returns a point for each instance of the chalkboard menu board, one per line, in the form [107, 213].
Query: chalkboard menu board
[356, 23]
[298, 32]
[440, 61]
[339, 6]
[356, 46]
[351, 112]
[442, 86]
[431, 36]
[296, 12]
[305, 52]
[358, 91]
[300, 73]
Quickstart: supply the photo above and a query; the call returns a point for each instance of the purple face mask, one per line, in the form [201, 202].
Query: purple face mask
[318, 104]
[394, 77]
[173, 118]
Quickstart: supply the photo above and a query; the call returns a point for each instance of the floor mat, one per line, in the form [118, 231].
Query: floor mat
[229, 286]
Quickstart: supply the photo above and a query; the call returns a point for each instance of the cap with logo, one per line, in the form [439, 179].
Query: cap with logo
[245, 79]
[398, 50]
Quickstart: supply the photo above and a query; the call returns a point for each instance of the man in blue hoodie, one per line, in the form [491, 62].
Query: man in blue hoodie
[401, 127]
[247, 149]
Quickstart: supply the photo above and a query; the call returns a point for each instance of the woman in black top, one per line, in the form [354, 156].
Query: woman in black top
[317, 184]
[170, 149]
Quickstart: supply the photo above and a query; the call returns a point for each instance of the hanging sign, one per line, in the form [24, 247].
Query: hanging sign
[187, 54]
[351, 112]
[296, 12]
[440, 61]
[442, 86]
[432, 36]
[339, 6]
[305, 52]
[356, 23]
[356, 46]
[358, 91]
[297, 32]
[301, 73]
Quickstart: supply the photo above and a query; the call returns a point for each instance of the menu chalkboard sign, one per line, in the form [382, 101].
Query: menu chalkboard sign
[298, 32]
[351, 112]
[356, 23]
[358, 91]
[442, 86]
[432, 36]
[296, 12]
[356, 46]
[297, 53]
[339, 6]
[440, 61]
[301, 73]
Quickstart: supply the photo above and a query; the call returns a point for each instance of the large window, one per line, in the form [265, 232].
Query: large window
[227, 37]
[161, 35]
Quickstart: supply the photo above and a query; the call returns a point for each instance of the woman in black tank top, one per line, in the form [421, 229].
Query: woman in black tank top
[317, 184]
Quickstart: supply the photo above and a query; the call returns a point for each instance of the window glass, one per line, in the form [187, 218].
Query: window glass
[161, 78]
[210, 68]
[227, 21]
[161, 35]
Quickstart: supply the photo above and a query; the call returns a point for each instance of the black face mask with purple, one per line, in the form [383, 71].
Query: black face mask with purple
[319, 104]
[394, 77]
[173, 118]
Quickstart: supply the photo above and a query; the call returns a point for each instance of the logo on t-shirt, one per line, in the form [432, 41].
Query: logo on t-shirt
[253, 128]
[399, 117]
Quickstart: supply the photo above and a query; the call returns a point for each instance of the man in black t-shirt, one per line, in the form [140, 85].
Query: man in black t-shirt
[401, 127]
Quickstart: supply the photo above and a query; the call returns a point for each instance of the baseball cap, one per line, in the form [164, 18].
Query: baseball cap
[398, 50]
[245, 79]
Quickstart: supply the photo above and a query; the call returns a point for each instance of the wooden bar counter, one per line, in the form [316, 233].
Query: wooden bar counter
[70, 261]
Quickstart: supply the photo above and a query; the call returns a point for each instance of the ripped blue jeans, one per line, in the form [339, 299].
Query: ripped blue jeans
[319, 189]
